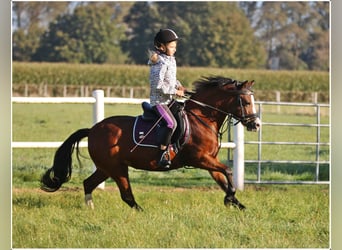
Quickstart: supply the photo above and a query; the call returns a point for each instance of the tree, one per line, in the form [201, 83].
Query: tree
[209, 37]
[296, 33]
[25, 43]
[233, 39]
[30, 19]
[269, 23]
[142, 22]
[317, 48]
[88, 35]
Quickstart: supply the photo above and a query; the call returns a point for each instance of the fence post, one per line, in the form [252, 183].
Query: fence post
[98, 115]
[239, 156]
[278, 100]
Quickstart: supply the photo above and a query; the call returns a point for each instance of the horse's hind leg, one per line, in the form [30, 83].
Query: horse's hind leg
[226, 183]
[120, 175]
[91, 183]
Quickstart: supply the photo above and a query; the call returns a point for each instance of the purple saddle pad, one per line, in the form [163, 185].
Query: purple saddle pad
[142, 133]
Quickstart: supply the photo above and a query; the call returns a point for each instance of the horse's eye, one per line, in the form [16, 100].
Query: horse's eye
[245, 103]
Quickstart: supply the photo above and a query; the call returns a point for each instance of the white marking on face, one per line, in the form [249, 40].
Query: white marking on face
[252, 102]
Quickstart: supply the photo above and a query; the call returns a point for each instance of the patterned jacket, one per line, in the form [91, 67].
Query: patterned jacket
[163, 80]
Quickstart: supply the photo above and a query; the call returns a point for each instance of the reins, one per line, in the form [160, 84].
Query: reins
[243, 119]
[207, 105]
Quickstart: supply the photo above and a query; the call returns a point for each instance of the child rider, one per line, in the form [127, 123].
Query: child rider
[164, 86]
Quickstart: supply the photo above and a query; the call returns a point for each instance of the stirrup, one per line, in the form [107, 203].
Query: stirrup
[164, 161]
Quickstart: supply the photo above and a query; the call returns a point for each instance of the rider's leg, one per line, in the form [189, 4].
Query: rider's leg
[165, 134]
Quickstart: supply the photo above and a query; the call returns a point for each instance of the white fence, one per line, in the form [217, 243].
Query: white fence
[99, 100]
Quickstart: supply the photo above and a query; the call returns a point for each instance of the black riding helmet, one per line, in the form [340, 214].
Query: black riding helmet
[165, 36]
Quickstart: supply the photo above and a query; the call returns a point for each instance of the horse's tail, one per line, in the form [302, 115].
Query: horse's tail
[60, 172]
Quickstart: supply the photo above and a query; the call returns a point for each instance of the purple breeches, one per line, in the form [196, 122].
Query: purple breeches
[165, 112]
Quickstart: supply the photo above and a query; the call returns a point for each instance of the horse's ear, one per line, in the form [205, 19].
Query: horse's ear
[248, 84]
[251, 83]
[241, 85]
[232, 81]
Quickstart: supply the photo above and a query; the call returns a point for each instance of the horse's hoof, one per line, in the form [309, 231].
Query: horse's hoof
[90, 204]
[232, 201]
[241, 207]
[138, 208]
[89, 201]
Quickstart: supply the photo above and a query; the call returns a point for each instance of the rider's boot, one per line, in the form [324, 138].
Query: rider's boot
[165, 134]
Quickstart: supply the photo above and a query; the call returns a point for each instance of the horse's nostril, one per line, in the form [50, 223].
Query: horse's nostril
[257, 123]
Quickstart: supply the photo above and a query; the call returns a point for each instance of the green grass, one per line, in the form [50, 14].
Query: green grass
[276, 217]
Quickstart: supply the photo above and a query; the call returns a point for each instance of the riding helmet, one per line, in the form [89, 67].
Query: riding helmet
[165, 36]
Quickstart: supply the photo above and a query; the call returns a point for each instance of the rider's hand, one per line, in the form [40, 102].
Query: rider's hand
[181, 88]
[180, 92]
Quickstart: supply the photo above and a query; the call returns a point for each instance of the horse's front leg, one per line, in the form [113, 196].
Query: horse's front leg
[225, 181]
[230, 198]
[221, 173]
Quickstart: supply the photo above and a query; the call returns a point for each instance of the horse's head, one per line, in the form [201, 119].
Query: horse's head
[228, 97]
[245, 110]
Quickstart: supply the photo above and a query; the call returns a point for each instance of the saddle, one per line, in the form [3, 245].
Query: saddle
[146, 127]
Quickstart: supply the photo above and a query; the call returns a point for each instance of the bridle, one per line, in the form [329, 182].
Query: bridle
[244, 119]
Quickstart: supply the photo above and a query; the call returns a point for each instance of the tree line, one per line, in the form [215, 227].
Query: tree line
[259, 35]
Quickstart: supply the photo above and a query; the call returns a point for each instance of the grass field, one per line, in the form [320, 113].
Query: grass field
[276, 217]
[183, 208]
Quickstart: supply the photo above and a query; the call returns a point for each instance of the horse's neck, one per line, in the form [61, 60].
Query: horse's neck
[209, 118]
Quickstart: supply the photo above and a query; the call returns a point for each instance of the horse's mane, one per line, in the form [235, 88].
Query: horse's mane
[205, 83]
